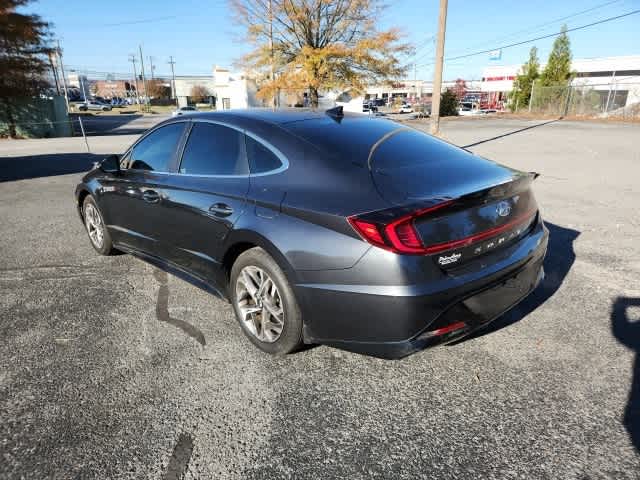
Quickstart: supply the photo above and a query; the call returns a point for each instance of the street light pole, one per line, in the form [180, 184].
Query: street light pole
[437, 75]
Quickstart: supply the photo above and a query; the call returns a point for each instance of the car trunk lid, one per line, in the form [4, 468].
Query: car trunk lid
[451, 204]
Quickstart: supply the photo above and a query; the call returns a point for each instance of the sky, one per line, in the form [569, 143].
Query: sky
[100, 36]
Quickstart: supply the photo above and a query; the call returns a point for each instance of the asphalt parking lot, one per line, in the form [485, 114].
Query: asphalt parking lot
[113, 369]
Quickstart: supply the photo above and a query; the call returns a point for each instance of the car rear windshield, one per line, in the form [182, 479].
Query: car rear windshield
[350, 138]
[410, 148]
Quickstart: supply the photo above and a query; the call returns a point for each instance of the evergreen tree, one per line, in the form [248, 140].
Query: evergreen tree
[448, 103]
[522, 85]
[557, 71]
[24, 46]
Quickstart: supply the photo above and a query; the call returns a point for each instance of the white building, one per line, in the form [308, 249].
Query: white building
[414, 90]
[226, 90]
[617, 76]
[75, 80]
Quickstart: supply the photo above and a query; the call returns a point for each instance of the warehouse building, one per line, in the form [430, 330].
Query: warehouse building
[615, 79]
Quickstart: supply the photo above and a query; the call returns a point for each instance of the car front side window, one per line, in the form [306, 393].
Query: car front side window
[156, 150]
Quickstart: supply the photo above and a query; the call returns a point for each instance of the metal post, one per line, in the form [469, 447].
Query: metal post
[606, 109]
[84, 135]
[567, 100]
[533, 85]
[437, 75]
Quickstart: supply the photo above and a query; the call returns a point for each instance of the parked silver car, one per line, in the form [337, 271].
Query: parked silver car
[94, 105]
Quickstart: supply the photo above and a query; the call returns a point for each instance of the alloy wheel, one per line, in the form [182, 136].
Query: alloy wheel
[259, 303]
[94, 225]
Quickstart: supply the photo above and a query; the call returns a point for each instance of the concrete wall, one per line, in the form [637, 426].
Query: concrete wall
[37, 118]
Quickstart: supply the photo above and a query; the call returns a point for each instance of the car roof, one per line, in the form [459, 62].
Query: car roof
[277, 117]
[351, 136]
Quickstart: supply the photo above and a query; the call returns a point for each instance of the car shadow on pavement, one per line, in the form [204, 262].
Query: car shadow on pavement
[627, 331]
[162, 309]
[557, 263]
[179, 461]
[106, 124]
[512, 133]
[48, 165]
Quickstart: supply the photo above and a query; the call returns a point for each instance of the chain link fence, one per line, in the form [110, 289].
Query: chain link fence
[614, 100]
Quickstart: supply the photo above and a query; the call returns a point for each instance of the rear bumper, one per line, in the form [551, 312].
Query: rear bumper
[396, 325]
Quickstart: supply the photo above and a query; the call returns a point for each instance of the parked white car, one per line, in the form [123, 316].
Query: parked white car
[468, 108]
[183, 111]
[406, 108]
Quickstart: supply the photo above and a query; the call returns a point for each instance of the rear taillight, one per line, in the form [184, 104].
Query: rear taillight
[401, 236]
[368, 231]
[398, 236]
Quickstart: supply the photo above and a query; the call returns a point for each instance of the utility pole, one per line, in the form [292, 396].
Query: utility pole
[437, 75]
[151, 66]
[54, 70]
[64, 81]
[132, 59]
[144, 80]
[84, 93]
[273, 79]
[415, 81]
[173, 80]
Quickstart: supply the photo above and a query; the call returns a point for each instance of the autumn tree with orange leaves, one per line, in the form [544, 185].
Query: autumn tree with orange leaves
[314, 45]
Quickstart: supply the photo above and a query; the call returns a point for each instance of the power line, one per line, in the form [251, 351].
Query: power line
[551, 22]
[481, 52]
[429, 50]
[136, 22]
[428, 42]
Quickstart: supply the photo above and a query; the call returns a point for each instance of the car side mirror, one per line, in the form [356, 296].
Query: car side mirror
[110, 164]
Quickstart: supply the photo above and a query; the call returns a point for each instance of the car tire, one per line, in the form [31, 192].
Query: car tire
[284, 334]
[96, 228]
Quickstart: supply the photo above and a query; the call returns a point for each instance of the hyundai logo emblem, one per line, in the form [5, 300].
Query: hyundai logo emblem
[503, 209]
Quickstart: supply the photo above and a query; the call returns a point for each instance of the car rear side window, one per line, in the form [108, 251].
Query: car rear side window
[261, 159]
[214, 149]
[156, 150]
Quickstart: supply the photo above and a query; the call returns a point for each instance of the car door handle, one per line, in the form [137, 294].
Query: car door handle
[151, 196]
[221, 209]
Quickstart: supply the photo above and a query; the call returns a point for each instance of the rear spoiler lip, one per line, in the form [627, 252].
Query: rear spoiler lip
[520, 182]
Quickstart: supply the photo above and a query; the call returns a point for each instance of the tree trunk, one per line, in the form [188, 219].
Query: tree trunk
[10, 120]
[313, 100]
